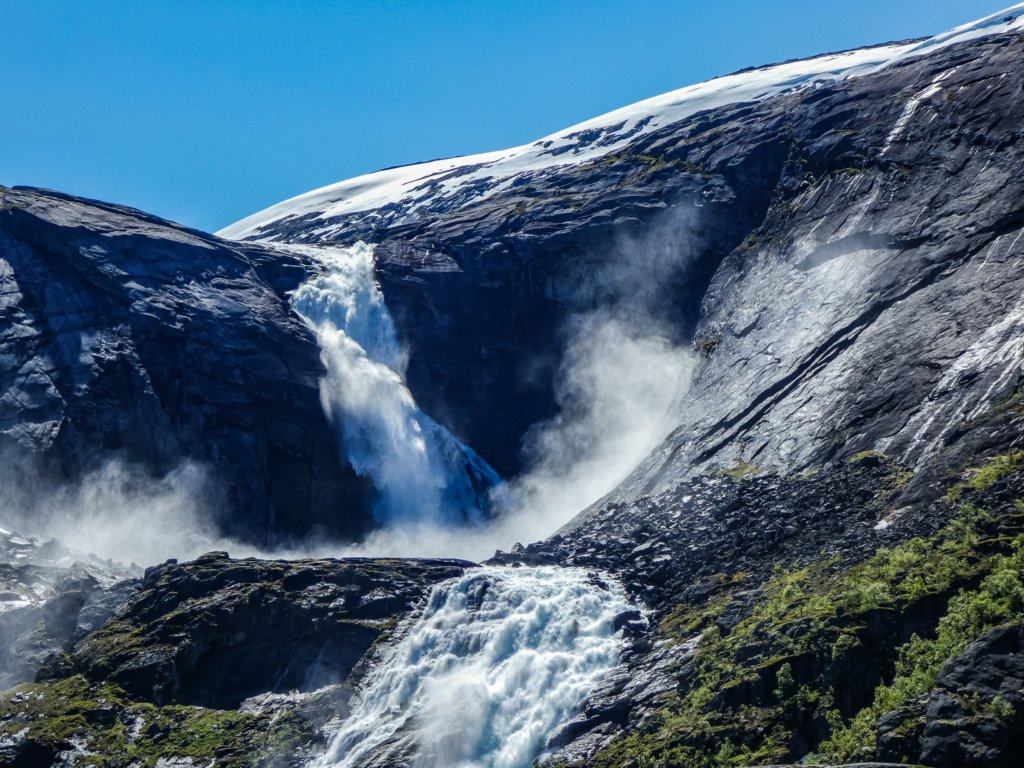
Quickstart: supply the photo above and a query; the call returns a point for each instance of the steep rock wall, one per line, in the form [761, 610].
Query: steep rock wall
[847, 266]
[125, 335]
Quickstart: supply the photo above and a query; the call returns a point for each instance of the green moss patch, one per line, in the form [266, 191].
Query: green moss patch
[743, 470]
[993, 470]
[112, 732]
[763, 689]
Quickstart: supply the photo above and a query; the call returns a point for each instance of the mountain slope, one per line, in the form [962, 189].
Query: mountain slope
[840, 236]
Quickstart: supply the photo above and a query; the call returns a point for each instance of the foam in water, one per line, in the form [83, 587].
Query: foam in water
[420, 471]
[500, 659]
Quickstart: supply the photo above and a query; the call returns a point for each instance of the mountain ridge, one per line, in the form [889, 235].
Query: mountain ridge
[842, 64]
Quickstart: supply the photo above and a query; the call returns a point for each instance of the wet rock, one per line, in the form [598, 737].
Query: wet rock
[50, 597]
[217, 631]
[630, 619]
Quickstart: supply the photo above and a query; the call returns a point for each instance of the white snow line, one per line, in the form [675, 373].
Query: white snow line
[468, 179]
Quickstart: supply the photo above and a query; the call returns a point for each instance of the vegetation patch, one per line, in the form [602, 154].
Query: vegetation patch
[822, 652]
[743, 470]
[980, 478]
[971, 612]
[104, 728]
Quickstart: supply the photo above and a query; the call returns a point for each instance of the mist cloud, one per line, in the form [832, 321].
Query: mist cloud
[117, 511]
[625, 369]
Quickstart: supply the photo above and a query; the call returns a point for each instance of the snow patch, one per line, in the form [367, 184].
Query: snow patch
[473, 177]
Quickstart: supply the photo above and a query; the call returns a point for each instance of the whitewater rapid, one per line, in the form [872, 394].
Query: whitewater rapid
[501, 658]
[498, 662]
[420, 471]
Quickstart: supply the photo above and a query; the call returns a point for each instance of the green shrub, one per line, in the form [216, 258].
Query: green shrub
[997, 600]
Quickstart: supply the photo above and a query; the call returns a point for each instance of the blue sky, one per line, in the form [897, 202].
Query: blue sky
[205, 111]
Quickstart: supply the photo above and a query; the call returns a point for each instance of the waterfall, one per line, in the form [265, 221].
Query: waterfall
[500, 659]
[420, 471]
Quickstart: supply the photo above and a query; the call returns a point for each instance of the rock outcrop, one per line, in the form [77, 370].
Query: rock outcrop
[242, 662]
[217, 631]
[125, 335]
[974, 714]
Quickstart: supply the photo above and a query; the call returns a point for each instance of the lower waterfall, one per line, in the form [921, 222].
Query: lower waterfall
[500, 659]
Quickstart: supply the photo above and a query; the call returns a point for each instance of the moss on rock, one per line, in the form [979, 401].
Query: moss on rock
[823, 652]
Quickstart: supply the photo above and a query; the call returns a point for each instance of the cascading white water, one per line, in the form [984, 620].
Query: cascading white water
[500, 659]
[421, 471]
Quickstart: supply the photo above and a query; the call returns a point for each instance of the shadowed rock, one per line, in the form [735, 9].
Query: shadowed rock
[125, 335]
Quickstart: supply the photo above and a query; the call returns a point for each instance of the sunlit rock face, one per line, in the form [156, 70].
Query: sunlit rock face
[125, 335]
[878, 304]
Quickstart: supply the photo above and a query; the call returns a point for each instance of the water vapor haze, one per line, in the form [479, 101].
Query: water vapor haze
[625, 368]
[117, 511]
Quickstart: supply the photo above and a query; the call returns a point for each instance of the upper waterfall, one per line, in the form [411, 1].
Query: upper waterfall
[499, 661]
[419, 469]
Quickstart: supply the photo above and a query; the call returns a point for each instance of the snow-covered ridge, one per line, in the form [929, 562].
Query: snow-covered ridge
[412, 185]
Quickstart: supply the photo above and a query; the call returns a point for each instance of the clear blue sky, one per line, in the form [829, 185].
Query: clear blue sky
[204, 111]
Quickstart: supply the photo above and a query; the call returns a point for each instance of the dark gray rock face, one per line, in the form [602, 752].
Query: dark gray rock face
[235, 663]
[673, 547]
[125, 335]
[216, 631]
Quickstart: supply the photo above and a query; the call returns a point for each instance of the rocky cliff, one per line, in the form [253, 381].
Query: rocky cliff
[841, 238]
[126, 336]
[241, 662]
[825, 552]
